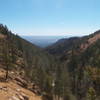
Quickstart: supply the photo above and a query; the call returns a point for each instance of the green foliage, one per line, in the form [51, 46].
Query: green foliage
[3, 29]
[91, 94]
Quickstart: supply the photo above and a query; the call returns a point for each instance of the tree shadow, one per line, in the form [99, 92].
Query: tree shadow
[47, 97]
[2, 79]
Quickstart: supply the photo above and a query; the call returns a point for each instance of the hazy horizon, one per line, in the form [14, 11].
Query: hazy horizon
[43, 41]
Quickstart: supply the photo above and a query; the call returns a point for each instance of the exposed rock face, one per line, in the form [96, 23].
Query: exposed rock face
[90, 41]
[11, 90]
[2, 36]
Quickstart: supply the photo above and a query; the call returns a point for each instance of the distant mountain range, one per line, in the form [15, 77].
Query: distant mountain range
[43, 41]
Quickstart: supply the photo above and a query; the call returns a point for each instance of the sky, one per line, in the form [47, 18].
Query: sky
[51, 17]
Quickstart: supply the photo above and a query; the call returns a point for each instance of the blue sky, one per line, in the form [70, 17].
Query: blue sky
[51, 17]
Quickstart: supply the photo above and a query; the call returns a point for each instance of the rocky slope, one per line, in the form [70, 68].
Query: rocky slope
[65, 45]
[23, 63]
[11, 90]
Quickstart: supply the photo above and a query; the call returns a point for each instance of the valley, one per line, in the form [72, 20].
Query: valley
[66, 70]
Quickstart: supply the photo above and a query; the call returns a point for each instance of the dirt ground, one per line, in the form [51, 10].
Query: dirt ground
[12, 91]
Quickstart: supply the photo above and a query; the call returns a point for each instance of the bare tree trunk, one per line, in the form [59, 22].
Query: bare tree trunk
[7, 72]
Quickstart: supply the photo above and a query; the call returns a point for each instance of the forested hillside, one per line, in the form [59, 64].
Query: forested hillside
[81, 56]
[68, 70]
[32, 64]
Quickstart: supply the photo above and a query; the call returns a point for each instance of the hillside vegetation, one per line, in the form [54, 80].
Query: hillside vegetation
[66, 70]
[81, 56]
